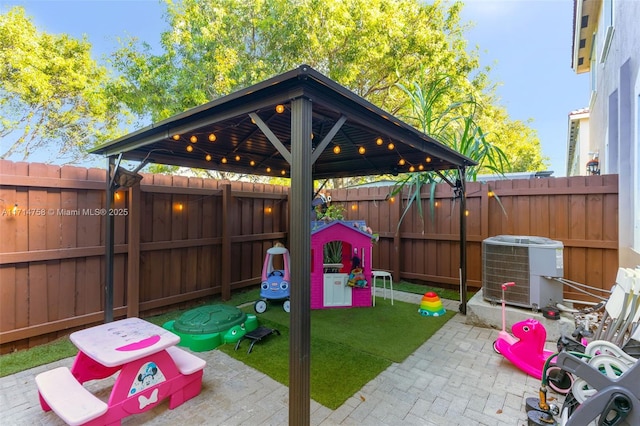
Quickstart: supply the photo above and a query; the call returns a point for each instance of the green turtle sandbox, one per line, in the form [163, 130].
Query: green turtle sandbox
[207, 327]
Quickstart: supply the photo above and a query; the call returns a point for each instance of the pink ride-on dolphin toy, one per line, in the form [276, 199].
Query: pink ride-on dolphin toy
[525, 348]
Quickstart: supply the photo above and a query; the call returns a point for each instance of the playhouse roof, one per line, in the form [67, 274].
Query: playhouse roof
[350, 225]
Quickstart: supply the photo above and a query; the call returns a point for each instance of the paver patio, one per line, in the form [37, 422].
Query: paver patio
[455, 378]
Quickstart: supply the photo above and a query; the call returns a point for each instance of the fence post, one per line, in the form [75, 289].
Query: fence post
[133, 252]
[397, 241]
[226, 243]
[108, 243]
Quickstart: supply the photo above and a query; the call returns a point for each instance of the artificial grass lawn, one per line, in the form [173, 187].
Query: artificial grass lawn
[349, 346]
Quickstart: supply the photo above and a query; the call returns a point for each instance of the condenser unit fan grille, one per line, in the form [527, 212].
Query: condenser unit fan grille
[505, 263]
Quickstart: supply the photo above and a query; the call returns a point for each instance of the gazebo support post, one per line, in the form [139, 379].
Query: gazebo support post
[300, 241]
[461, 189]
[108, 242]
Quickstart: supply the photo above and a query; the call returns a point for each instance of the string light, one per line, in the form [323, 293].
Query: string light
[428, 160]
[193, 139]
[283, 172]
[189, 148]
[179, 207]
[412, 169]
[279, 108]
[237, 158]
[336, 149]
[361, 150]
[212, 137]
[466, 213]
[401, 162]
[267, 210]
[252, 163]
[176, 137]
[354, 207]
[379, 141]
[391, 146]
[224, 160]
[268, 169]
[490, 193]
[420, 167]
[208, 157]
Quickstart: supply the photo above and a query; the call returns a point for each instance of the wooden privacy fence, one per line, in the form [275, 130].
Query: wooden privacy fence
[181, 239]
[581, 212]
[192, 238]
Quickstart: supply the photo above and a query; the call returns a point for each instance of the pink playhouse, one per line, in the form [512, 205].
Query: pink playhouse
[330, 284]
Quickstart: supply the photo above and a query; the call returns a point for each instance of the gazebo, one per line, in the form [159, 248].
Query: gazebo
[301, 125]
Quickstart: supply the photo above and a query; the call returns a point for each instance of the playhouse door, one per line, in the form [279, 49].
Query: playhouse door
[336, 290]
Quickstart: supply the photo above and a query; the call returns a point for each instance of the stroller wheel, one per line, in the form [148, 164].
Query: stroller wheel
[495, 346]
[559, 380]
[260, 306]
[286, 306]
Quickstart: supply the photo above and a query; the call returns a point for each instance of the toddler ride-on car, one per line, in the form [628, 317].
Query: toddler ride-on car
[275, 282]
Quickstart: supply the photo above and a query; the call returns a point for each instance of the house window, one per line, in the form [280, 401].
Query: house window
[607, 26]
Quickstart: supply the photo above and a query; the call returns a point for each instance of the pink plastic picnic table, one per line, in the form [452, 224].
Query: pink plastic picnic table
[149, 371]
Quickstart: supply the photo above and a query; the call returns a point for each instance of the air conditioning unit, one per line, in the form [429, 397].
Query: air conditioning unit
[530, 262]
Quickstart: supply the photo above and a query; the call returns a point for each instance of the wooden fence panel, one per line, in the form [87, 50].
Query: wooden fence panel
[581, 212]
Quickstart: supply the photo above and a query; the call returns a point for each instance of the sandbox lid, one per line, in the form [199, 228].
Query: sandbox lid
[209, 319]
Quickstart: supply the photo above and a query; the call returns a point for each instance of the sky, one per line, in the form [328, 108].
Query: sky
[527, 43]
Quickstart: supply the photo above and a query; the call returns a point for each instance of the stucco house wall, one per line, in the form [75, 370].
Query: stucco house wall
[614, 119]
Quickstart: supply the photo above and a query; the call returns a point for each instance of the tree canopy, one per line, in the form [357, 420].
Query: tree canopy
[53, 95]
[215, 47]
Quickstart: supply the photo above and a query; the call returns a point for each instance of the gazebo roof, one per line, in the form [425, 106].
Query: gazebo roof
[246, 124]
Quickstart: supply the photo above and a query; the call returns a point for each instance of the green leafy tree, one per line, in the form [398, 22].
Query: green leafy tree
[215, 47]
[515, 138]
[53, 96]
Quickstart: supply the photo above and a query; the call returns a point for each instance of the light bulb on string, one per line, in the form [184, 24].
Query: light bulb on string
[391, 146]
[379, 141]
[336, 149]
[401, 162]
[279, 108]
[193, 139]
[212, 137]
[208, 157]
[176, 137]
[224, 160]
[189, 148]
[361, 150]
